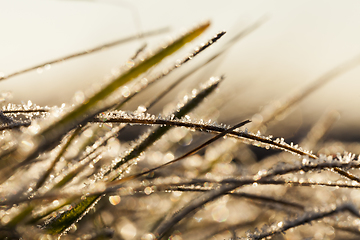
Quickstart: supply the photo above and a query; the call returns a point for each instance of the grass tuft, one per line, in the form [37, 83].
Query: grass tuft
[79, 172]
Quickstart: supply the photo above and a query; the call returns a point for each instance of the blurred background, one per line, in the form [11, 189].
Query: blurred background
[298, 43]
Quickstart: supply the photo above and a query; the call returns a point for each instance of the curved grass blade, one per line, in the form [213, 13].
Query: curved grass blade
[246, 137]
[193, 151]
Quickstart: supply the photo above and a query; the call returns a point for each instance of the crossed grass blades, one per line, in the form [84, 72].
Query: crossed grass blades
[66, 172]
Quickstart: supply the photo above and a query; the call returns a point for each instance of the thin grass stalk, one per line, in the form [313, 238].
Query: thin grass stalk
[257, 140]
[88, 51]
[83, 112]
[189, 153]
